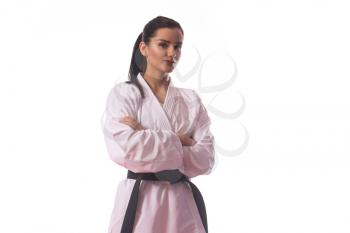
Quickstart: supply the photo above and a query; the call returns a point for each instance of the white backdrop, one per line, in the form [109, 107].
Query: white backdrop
[282, 154]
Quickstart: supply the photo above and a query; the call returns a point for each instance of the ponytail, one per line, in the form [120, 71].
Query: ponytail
[138, 64]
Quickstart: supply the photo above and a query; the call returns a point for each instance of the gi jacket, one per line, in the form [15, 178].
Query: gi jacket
[162, 207]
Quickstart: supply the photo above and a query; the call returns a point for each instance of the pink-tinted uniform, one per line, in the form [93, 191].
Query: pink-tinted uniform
[162, 207]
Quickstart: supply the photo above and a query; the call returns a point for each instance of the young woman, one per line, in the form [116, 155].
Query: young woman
[161, 134]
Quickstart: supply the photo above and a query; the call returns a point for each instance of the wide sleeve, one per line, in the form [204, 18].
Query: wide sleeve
[139, 151]
[199, 158]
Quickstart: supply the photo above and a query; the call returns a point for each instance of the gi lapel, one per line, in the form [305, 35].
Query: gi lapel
[163, 117]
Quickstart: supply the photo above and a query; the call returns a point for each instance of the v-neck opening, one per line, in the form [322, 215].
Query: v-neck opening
[163, 109]
[162, 105]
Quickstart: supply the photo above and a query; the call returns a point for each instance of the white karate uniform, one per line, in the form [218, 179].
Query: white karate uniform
[162, 207]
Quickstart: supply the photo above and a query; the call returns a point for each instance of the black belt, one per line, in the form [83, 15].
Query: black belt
[173, 176]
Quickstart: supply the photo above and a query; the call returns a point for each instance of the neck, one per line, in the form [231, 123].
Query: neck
[157, 80]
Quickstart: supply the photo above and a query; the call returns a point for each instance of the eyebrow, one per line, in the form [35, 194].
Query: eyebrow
[169, 41]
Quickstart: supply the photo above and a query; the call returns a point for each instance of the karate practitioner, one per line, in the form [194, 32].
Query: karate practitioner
[161, 134]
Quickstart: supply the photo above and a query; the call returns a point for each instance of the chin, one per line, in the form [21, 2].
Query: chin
[168, 70]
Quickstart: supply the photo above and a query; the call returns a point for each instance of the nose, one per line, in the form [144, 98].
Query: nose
[172, 52]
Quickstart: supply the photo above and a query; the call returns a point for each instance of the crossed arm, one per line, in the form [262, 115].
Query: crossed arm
[130, 121]
[199, 155]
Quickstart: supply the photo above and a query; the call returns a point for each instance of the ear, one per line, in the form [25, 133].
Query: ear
[143, 48]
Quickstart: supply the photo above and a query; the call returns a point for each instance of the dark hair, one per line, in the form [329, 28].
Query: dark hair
[138, 61]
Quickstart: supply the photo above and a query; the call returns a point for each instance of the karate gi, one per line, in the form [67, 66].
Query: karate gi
[162, 207]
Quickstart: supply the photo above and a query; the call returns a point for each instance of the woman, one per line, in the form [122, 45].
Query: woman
[161, 134]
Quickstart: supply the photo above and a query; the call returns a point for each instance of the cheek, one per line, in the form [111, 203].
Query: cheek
[156, 53]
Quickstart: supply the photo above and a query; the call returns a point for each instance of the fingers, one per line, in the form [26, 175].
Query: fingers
[131, 124]
[186, 140]
[126, 119]
[130, 121]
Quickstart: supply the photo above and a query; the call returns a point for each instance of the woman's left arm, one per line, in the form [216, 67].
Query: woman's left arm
[199, 158]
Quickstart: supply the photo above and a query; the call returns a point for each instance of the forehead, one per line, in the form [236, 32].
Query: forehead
[173, 35]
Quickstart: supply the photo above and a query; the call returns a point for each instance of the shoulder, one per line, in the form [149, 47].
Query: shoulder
[189, 94]
[126, 90]
[192, 97]
[195, 102]
[124, 94]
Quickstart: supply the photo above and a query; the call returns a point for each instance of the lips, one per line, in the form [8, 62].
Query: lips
[169, 62]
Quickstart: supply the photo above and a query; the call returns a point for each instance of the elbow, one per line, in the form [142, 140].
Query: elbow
[210, 166]
[200, 163]
[211, 157]
[118, 160]
[211, 162]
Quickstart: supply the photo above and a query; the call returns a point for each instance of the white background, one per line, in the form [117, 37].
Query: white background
[59, 59]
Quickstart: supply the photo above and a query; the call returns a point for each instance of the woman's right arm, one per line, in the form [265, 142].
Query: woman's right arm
[137, 150]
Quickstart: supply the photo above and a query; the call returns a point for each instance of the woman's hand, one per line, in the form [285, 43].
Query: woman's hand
[186, 140]
[128, 120]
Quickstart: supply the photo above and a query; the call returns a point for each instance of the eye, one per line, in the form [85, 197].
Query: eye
[163, 45]
[178, 47]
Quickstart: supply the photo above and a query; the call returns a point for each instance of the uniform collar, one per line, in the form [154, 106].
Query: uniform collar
[143, 82]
